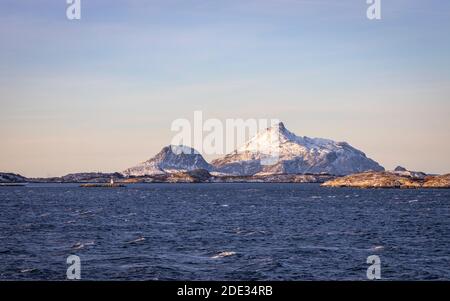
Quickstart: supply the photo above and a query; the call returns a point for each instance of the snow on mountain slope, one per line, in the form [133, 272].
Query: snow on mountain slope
[170, 159]
[277, 150]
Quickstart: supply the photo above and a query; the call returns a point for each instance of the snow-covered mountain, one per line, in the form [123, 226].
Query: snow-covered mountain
[170, 159]
[276, 150]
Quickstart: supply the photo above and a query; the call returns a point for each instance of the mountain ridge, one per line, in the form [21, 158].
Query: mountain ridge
[293, 154]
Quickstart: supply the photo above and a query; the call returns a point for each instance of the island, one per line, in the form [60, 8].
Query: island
[389, 180]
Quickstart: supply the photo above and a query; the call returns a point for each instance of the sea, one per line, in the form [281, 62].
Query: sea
[257, 231]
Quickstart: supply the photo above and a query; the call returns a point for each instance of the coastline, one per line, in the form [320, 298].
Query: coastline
[366, 180]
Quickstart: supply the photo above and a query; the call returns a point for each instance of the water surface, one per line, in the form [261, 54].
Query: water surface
[223, 232]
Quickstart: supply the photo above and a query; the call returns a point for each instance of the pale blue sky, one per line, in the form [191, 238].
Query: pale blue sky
[100, 94]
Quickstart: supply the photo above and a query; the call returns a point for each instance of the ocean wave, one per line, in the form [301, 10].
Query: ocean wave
[137, 240]
[377, 248]
[27, 270]
[223, 254]
[80, 245]
[77, 246]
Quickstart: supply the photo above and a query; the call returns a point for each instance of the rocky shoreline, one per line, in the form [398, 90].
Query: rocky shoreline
[389, 180]
[194, 176]
[203, 176]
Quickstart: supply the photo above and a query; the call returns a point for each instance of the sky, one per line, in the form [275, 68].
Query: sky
[101, 93]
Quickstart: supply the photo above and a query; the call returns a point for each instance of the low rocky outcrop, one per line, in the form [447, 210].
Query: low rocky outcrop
[84, 177]
[203, 176]
[437, 181]
[270, 178]
[374, 180]
[389, 180]
[193, 176]
[6, 177]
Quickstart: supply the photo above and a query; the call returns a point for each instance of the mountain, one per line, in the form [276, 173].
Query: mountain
[273, 151]
[169, 160]
[276, 150]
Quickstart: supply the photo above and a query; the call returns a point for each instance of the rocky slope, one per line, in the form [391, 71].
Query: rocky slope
[169, 160]
[278, 151]
[6, 177]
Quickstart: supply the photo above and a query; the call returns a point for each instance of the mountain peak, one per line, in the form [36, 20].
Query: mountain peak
[180, 149]
[289, 153]
[270, 139]
[279, 125]
[400, 168]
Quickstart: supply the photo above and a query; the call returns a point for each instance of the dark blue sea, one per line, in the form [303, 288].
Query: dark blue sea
[223, 232]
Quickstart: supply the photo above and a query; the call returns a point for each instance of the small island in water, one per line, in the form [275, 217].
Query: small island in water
[389, 180]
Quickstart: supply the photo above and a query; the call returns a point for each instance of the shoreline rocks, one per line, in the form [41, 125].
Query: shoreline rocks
[372, 179]
[389, 180]
[102, 185]
[442, 181]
